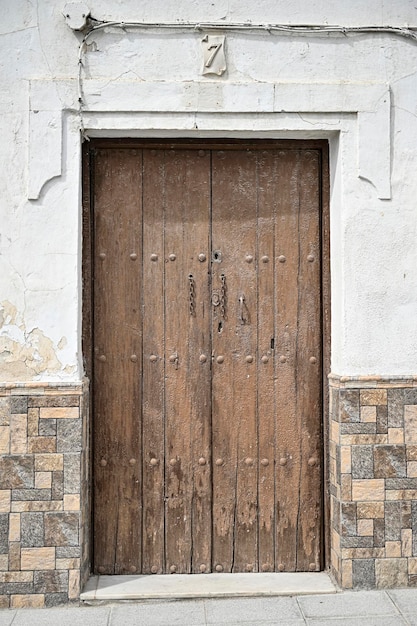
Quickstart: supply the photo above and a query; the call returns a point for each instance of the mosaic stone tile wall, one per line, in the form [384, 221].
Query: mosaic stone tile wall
[43, 488]
[373, 482]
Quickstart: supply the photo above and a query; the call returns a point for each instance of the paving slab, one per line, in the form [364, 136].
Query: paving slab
[179, 586]
[63, 616]
[393, 620]
[6, 617]
[350, 605]
[263, 610]
[405, 600]
[184, 613]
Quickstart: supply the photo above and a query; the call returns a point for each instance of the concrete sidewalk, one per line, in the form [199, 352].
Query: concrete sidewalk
[361, 608]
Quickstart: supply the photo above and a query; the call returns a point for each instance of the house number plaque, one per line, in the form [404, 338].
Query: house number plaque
[213, 54]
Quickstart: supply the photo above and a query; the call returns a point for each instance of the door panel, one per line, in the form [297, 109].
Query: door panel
[207, 372]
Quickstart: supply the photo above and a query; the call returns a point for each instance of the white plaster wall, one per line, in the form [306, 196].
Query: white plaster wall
[150, 82]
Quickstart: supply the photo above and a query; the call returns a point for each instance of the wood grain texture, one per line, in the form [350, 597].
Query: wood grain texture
[221, 409]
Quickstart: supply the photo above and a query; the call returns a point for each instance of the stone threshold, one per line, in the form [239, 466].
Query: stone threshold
[179, 586]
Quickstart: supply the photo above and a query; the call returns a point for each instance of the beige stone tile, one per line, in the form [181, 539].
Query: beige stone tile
[392, 549]
[5, 500]
[37, 558]
[345, 459]
[72, 502]
[71, 413]
[37, 505]
[373, 397]
[67, 563]
[346, 487]
[391, 573]
[347, 582]
[411, 452]
[401, 494]
[395, 435]
[14, 556]
[410, 423]
[363, 553]
[335, 560]
[335, 541]
[33, 601]
[33, 422]
[365, 527]
[362, 440]
[412, 469]
[371, 510]
[14, 527]
[16, 577]
[406, 542]
[4, 439]
[18, 434]
[49, 462]
[74, 584]
[368, 490]
[4, 562]
[368, 414]
[43, 480]
[412, 565]
[41, 444]
[334, 432]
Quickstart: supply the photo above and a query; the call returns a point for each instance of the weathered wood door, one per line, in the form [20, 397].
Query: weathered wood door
[207, 365]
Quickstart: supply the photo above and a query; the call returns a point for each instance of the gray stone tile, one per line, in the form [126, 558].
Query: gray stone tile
[405, 600]
[190, 613]
[6, 617]
[65, 616]
[252, 609]
[348, 604]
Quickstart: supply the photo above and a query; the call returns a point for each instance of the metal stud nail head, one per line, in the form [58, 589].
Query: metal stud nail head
[266, 567]
[101, 569]
[103, 462]
[201, 257]
[220, 359]
[102, 255]
[312, 461]
[281, 258]
[281, 567]
[249, 461]
[172, 257]
[249, 358]
[202, 461]
[203, 568]
[264, 359]
[249, 567]
[153, 358]
[133, 256]
[310, 258]
[283, 461]
[265, 462]
[132, 461]
[219, 568]
[219, 462]
[203, 358]
[248, 258]
[102, 358]
[132, 568]
[173, 462]
[154, 257]
[173, 358]
[153, 462]
[134, 358]
[154, 569]
[173, 569]
[313, 360]
[312, 567]
[265, 259]
[282, 359]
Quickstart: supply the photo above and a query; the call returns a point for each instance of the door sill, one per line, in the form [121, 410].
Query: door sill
[180, 586]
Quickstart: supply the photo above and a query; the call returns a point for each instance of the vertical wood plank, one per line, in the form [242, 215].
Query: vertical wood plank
[309, 365]
[187, 379]
[117, 363]
[153, 362]
[267, 208]
[234, 377]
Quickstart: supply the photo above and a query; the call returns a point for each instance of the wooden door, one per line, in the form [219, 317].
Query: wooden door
[207, 370]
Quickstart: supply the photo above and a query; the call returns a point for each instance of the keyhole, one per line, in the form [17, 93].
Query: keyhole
[272, 343]
[220, 327]
[217, 255]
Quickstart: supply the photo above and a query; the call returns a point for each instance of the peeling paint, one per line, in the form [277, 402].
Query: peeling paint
[24, 354]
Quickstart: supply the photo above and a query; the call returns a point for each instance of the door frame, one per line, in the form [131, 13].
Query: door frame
[322, 145]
